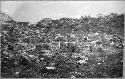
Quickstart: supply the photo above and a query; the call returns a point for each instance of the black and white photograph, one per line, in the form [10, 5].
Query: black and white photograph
[62, 39]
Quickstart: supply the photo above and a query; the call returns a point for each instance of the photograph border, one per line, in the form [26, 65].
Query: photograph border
[73, 0]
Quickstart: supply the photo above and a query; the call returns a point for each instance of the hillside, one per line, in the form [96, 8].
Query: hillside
[87, 47]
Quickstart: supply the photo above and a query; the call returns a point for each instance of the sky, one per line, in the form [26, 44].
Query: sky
[33, 11]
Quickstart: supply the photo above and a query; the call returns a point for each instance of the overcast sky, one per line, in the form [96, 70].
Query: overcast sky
[33, 11]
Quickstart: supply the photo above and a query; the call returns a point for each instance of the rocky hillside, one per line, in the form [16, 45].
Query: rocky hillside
[63, 48]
